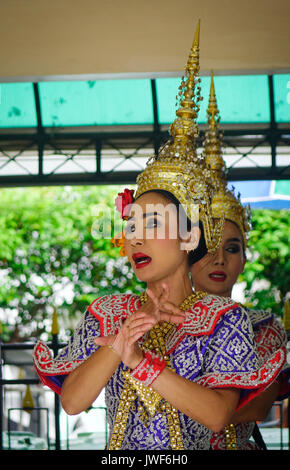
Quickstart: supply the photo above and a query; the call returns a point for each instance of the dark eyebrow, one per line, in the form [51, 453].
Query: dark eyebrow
[147, 214]
[234, 239]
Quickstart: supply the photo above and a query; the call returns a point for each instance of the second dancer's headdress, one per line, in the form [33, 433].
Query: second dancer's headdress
[225, 204]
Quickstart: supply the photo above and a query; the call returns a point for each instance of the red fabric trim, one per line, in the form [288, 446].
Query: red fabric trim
[43, 361]
[187, 325]
[43, 364]
[217, 314]
[256, 382]
[108, 321]
[269, 337]
[149, 368]
[45, 380]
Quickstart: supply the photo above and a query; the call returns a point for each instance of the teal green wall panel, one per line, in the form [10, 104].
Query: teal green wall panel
[103, 102]
[241, 99]
[17, 105]
[282, 97]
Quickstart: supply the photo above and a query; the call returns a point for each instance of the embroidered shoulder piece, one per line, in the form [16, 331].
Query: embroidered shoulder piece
[112, 310]
[81, 345]
[201, 319]
[258, 317]
[269, 337]
[45, 363]
[263, 375]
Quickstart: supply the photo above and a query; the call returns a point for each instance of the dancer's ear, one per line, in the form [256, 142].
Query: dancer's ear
[190, 243]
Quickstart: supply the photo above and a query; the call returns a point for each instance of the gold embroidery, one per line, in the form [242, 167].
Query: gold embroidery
[149, 397]
[121, 418]
[230, 437]
[150, 401]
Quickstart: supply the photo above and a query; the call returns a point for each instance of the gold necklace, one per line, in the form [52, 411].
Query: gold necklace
[187, 302]
[230, 437]
[150, 401]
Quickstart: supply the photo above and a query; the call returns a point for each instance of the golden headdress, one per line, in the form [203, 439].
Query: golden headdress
[225, 205]
[177, 168]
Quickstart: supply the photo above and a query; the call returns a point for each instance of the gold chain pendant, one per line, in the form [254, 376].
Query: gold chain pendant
[152, 401]
[120, 423]
[230, 437]
[185, 305]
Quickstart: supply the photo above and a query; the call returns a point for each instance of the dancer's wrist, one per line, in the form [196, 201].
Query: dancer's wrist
[148, 369]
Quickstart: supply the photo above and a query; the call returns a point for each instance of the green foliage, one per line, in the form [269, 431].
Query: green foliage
[52, 254]
[267, 272]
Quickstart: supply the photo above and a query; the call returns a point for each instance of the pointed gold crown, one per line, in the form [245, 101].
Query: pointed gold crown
[177, 168]
[225, 205]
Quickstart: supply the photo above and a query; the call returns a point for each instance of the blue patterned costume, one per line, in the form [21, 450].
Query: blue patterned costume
[214, 347]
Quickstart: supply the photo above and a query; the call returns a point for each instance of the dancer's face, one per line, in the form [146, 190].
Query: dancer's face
[152, 242]
[216, 274]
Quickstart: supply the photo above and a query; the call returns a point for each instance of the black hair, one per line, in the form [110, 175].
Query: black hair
[201, 250]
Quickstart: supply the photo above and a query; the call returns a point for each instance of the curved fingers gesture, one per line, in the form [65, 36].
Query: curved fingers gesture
[166, 310]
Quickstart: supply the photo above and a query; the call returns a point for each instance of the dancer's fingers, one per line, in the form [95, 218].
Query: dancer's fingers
[140, 328]
[165, 294]
[137, 335]
[153, 297]
[139, 322]
[170, 307]
[171, 317]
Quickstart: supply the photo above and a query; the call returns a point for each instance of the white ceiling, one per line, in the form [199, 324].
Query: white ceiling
[47, 39]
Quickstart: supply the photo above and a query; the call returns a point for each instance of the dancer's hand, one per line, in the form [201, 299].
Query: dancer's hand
[125, 343]
[164, 309]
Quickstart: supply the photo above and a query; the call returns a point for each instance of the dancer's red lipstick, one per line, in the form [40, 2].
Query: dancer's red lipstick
[218, 276]
[141, 260]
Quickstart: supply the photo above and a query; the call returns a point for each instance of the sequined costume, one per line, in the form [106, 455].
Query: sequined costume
[269, 336]
[214, 347]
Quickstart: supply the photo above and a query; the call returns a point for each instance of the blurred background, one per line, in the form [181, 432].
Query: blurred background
[87, 92]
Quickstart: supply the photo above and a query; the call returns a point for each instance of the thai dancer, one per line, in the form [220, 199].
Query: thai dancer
[172, 375]
[218, 273]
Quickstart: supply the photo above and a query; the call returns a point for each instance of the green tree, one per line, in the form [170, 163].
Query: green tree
[268, 261]
[53, 254]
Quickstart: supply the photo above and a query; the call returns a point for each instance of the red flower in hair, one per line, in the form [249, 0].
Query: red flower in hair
[124, 199]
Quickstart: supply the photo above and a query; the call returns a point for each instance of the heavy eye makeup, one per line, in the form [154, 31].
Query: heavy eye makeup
[151, 223]
[233, 246]
[130, 227]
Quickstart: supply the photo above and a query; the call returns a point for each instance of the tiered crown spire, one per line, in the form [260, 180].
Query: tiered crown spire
[184, 127]
[177, 168]
[225, 205]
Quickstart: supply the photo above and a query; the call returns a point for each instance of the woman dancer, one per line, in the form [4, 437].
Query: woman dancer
[172, 375]
[218, 273]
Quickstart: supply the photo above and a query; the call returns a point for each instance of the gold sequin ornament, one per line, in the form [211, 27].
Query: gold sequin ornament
[150, 402]
[121, 418]
[177, 168]
[230, 437]
[225, 205]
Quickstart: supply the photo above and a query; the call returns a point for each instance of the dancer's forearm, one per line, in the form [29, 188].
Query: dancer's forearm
[84, 384]
[211, 407]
